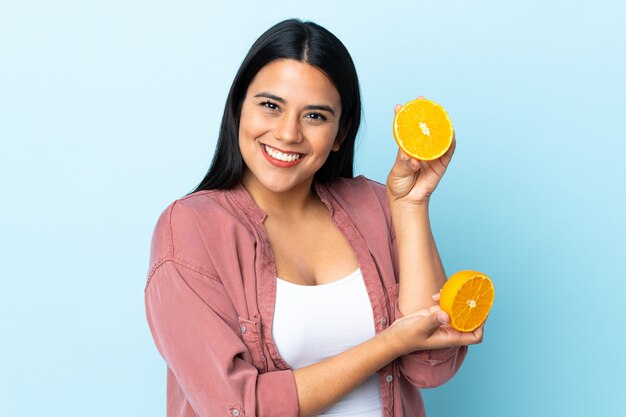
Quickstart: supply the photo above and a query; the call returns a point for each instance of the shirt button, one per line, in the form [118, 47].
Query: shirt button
[243, 330]
[383, 320]
[235, 412]
[389, 378]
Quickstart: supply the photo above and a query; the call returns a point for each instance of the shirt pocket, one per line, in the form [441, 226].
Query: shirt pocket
[250, 333]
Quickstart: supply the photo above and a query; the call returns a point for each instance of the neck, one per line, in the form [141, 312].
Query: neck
[294, 202]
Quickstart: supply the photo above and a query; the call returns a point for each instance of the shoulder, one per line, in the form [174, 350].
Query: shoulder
[189, 227]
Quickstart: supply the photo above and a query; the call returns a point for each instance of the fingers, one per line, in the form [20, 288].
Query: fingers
[437, 296]
[453, 144]
[446, 157]
[441, 316]
[437, 318]
[479, 333]
[452, 147]
[436, 313]
[405, 166]
[476, 335]
[397, 107]
[434, 309]
[426, 312]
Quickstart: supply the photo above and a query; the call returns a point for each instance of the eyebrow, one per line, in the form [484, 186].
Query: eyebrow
[309, 107]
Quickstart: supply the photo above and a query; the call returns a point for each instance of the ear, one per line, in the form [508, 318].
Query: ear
[341, 137]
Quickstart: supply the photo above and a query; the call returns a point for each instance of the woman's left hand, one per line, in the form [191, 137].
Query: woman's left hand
[413, 181]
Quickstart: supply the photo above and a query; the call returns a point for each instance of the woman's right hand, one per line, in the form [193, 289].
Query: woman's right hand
[429, 329]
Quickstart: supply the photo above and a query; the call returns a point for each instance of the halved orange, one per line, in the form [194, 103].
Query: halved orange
[423, 129]
[467, 297]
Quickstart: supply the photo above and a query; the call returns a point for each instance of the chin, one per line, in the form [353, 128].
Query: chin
[279, 186]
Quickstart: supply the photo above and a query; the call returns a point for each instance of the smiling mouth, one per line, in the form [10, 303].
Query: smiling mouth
[281, 156]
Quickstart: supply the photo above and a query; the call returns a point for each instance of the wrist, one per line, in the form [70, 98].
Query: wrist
[408, 216]
[402, 203]
[391, 342]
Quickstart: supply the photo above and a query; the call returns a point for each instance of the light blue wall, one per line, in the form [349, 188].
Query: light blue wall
[110, 110]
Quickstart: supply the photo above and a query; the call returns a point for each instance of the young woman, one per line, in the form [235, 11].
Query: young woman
[284, 286]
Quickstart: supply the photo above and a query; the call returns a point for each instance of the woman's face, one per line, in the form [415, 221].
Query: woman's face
[289, 123]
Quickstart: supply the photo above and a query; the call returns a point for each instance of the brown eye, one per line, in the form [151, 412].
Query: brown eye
[270, 105]
[317, 116]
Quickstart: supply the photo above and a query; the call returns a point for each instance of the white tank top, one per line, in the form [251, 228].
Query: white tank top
[314, 322]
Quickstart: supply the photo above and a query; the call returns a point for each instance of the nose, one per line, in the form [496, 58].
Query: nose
[287, 128]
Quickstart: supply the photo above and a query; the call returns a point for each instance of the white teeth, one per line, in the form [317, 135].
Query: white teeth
[281, 156]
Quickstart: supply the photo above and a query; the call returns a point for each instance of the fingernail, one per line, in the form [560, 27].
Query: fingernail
[443, 318]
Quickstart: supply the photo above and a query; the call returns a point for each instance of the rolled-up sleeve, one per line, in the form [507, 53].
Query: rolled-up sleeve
[200, 342]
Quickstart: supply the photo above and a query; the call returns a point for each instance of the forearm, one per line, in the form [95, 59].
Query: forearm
[420, 267]
[326, 382]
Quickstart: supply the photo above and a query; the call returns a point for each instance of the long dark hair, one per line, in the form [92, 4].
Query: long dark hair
[309, 43]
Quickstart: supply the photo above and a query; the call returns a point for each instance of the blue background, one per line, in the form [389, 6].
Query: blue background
[110, 110]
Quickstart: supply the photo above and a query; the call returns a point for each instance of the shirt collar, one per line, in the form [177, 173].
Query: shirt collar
[244, 200]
